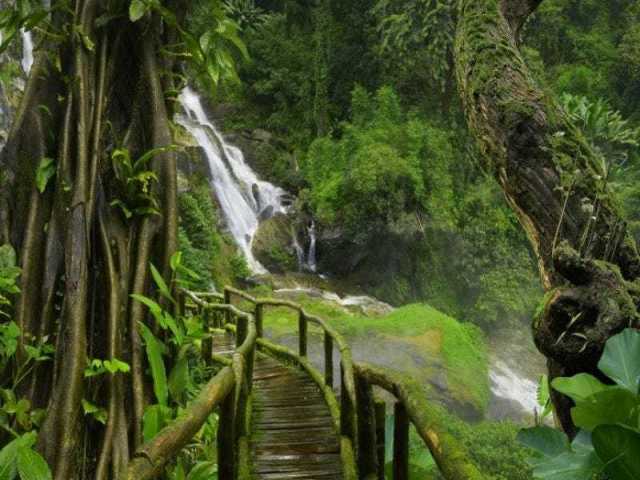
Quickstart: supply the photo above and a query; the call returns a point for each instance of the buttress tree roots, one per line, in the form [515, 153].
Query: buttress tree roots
[557, 186]
[95, 87]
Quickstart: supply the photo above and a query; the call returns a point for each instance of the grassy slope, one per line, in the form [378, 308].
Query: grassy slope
[460, 348]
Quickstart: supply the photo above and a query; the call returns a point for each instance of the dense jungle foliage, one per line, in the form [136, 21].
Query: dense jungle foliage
[353, 108]
[394, 164]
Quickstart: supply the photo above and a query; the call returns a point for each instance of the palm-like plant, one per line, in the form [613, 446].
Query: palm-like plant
[610, 135]
[245, 13]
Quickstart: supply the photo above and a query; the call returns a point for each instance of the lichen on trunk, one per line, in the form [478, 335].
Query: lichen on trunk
[552, 179]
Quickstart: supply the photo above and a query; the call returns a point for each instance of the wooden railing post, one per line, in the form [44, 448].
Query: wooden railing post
[400, 443]
[242, 326]
[207, 342]
[367, 451]
[346, 409]
[259, 319]
[328, 360]
[381, 430]
[227, 301]
[302, 334]
[226, 439]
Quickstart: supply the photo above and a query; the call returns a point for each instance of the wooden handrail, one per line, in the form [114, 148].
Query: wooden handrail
[360, 417]
[227, 389]
[151, 457]
[450, 456]
[348, 390]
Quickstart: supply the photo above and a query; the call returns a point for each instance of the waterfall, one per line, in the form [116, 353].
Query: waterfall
[311, 256]
[299, 251]
[27, 50]
[243, 198]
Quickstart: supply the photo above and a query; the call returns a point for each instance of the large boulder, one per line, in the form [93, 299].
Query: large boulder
[273, 244]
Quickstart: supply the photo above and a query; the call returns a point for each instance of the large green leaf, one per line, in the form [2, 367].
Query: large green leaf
[610, 406]
[583, 464]
[619, 447]
[621, 359]
[203, 471]
[9, 455]
[154, 350]
[179, 377]
[162, 286]
[32, 466]
[579, 387]
[547, 442]
[555, 459]
[155, 418]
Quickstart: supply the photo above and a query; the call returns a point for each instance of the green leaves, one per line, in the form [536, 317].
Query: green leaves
[578, 387]
[98, 367]
[100, 414]
[598, 409]
[46, 170]
[31, 466]
[154, 350]
[621, 359]
[136, 179]
[546, 441]
[137, 9]
[610, 412]
[9, 274]
[203, 471]
[162, 286]
[619, 447]
[19, 458]
[179, 377]
[555, 459]
[155, 418]
[12, 19]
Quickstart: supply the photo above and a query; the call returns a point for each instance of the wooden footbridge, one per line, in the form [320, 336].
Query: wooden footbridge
[282, 418]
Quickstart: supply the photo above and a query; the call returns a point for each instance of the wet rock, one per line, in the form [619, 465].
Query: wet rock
[272, 245]
[266, 213]
[192, 160]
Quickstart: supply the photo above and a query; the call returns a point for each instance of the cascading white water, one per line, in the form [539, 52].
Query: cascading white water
[243, 197]
[311, 256]
[27, 50]
[507, 384]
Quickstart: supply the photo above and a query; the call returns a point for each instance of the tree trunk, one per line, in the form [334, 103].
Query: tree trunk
[551, 177]
[81, 257]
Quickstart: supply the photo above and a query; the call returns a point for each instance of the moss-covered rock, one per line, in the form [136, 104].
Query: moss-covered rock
[273, 244]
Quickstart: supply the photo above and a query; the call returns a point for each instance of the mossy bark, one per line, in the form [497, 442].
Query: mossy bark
[97, 89]
[552, 179]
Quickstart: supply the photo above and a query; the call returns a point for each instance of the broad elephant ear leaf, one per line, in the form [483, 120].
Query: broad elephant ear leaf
[607, 407]
[555, 459]
[579, 387]
[546, 442]
[620, 360]
[619, 447]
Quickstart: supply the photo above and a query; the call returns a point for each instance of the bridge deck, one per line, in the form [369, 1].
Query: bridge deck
[293, 435]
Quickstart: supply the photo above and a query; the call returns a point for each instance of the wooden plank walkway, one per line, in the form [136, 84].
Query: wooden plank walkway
[293, 436]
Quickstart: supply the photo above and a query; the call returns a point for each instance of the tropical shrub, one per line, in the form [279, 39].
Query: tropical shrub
[607, 414]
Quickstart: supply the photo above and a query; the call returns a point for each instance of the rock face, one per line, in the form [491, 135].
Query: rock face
[273, 244]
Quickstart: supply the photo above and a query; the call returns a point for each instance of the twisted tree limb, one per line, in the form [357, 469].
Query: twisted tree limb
[588, 262]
